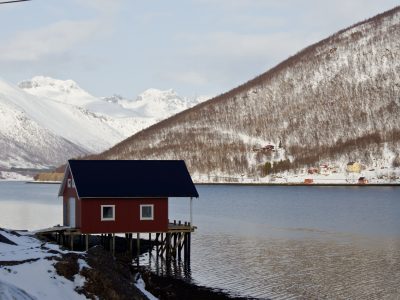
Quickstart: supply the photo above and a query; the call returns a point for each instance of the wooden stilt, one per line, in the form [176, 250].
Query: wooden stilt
[156, 241]
[185, 242]
[71, 237]
[175, 247]
[130, 243]
[180, 245]
[87, 242]
[113, 244]
[137, 248]
[138, 244]
[168, 246]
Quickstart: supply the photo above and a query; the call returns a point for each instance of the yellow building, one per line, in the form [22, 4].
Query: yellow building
[353, 167]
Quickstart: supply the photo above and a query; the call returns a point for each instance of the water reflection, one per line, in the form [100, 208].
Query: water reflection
[355, 268]
[171, 267]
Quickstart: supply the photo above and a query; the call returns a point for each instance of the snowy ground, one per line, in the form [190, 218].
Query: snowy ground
[33, 276]
[6, 175]
[380, 175]
[27, 270]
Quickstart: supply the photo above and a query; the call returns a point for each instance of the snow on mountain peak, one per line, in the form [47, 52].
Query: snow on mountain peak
[43, 81]
[156, 103]
[67, 91]
[158, 95]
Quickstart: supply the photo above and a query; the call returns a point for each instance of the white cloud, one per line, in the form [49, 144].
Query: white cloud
[55, 39]
[104, 7]
[187, 77]
[230, 45]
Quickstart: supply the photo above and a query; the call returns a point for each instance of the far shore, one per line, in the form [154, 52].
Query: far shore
[260, 183]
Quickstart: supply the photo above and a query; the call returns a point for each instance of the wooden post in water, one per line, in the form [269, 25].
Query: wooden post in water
[175, 245]
[138, 243]
[113, 244]
[180, 246]
[168, 246]
[137, 247]
[156, 241]
[130, 243]
[71, 237]
[185, 245]
[87, 242]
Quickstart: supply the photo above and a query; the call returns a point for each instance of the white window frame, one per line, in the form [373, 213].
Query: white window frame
[69, 182]
[101, 213]
[72, 183]
[152, 212]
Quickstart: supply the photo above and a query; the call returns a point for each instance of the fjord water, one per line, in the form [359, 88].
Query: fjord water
[267, 241]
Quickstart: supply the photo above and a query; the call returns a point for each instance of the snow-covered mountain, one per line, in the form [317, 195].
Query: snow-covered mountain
[156, 103]
[66, 91]
[44, 121]
[24, 143]
[334, 102]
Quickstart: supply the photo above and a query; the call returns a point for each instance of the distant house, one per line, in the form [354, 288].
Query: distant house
[122, 196]
[362, 180]
[324, 169]
[308, 181]
[268, 148]
[353, 167]
[313, 171]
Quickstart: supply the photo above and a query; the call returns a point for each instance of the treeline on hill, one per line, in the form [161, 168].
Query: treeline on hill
[337, 97]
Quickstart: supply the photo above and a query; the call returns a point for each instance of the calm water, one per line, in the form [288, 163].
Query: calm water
[268, 242]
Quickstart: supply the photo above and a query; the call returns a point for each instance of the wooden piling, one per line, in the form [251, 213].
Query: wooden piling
[168, 246]
[113, 244]
[71, 238]
[130, 243]
[87, 242]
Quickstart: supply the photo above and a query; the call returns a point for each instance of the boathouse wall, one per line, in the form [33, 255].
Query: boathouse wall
[127, 215]
[70, 192]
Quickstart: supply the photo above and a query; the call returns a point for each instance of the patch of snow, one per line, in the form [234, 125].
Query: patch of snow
[142, 287]
[36, 279]
[9, 291]
[5, 175]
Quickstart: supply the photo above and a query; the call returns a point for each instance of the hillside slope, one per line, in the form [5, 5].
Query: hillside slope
[335, 101]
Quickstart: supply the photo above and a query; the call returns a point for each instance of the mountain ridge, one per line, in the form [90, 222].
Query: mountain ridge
[319, 102]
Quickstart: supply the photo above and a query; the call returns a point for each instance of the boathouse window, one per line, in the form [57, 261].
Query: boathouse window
[147, 212]
[69, 182]
[108, 212]
[72, 183]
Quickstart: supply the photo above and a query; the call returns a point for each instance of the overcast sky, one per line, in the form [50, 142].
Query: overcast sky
[197, 47]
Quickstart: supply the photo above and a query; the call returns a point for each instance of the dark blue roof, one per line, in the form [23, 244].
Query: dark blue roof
[132, 178]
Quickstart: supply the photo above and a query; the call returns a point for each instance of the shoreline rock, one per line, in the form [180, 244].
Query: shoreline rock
[94, 274]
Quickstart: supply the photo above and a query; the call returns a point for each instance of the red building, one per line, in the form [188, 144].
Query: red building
[121, 196]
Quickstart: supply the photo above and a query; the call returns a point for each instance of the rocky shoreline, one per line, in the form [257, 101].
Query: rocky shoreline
[94, 274]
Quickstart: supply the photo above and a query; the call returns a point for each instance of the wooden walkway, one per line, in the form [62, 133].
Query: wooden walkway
[179, 227]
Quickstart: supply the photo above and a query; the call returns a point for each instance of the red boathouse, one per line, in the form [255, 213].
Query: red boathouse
[122, 196]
